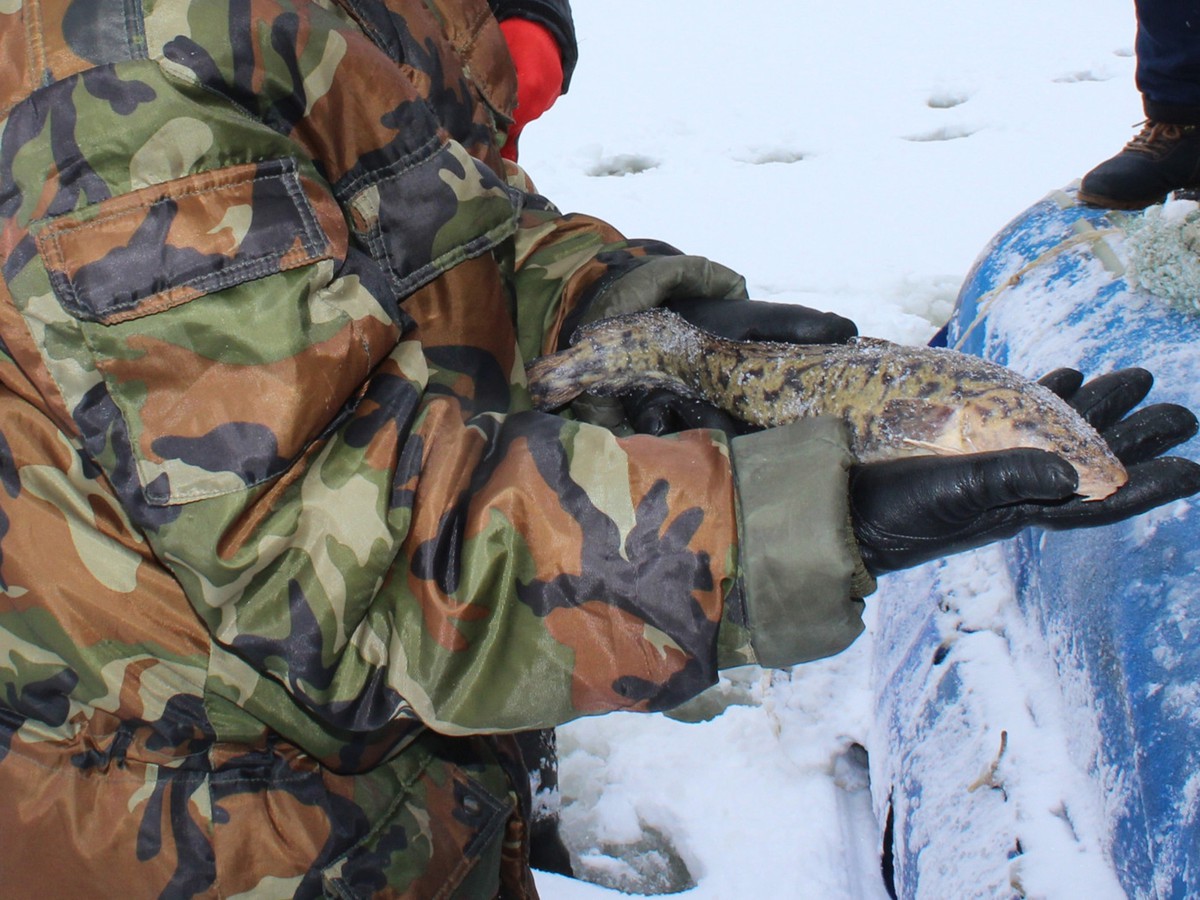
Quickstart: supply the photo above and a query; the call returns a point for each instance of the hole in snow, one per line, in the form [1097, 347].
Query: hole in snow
[947, 99]
[648, 866]
[621, 165]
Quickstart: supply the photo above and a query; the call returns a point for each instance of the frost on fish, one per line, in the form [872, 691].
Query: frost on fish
[895, 400]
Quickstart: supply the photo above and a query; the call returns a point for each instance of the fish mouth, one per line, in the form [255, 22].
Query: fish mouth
[1096, 484]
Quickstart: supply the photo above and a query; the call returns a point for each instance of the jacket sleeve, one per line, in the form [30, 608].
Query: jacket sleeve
[295, 363]
[556, 16]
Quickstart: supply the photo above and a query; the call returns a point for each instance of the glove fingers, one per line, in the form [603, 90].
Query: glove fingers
[908, 511]
[1007, 477]
[1151, 483]
[800, 325]
[760, 320]
[1063, 382]
[661, 412]
[1105, 400]
[964, 486]
[1150, 432]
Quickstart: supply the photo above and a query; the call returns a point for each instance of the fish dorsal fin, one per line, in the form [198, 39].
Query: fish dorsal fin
[872, 343]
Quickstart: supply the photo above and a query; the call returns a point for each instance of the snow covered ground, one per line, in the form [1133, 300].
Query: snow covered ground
[847, 157]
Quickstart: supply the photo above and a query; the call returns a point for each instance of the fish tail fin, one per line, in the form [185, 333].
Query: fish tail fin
[549, 386]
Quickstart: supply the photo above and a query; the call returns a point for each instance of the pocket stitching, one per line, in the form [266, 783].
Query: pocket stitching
[50, 232]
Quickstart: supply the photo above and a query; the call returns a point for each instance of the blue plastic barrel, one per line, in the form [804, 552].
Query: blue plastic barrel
[1038, 703]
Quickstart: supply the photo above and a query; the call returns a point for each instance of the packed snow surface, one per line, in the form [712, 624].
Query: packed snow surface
[856, 160]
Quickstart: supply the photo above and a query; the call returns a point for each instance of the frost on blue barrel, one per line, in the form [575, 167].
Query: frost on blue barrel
[1039, 702]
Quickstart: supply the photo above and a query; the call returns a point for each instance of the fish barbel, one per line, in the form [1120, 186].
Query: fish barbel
[895, 400]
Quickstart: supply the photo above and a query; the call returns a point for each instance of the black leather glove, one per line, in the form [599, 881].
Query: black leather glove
[661, 411]
[1105, 401]
[908, 511]
[761, 320]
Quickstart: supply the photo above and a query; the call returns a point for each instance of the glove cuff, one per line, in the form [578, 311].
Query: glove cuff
[651, 281]
[803, 576]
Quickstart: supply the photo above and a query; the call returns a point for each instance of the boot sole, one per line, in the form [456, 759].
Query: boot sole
[1112, 203]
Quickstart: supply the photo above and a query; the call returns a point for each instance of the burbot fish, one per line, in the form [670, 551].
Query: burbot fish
[895, 400]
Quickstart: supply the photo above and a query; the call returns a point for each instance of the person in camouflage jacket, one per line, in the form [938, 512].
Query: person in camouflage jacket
[285, 555]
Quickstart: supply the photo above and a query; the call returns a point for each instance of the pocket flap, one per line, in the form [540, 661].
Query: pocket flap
[163, 245]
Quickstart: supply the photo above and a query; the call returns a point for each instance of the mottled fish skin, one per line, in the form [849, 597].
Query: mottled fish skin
[895, 400]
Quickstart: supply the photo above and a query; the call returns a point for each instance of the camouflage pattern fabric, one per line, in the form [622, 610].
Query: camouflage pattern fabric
[284, 554]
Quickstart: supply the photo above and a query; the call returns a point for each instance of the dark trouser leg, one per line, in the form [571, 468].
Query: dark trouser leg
[1165, 156]
[1168, 60]
[539, 750]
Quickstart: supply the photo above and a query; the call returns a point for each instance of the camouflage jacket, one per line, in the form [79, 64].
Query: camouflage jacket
[284, 552]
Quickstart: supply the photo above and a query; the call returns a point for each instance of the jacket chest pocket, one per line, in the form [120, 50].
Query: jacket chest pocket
[205, 335]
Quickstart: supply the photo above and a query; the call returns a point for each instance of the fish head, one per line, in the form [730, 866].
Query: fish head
[1036, 417]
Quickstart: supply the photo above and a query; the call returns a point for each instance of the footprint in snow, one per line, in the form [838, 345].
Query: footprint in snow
[783, 155]
[945, 133]
[1084, 75]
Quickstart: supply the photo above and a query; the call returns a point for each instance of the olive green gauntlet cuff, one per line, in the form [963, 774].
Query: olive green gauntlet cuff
[655, 280]
[803, 577]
